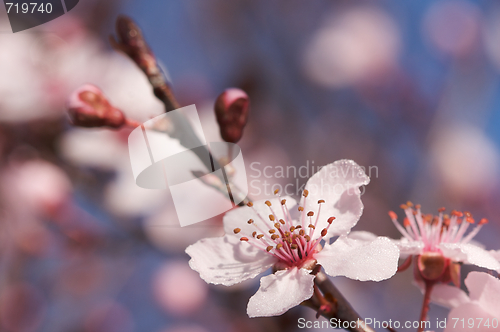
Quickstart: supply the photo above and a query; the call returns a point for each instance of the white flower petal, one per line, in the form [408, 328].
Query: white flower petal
[281, 291]
[448, 296]
[227, 261]
[466, 311]
[238, 217]
[408, 248]
[338, 184]
[361, 260]
[485, 289]
[470, 254]
[495, 254]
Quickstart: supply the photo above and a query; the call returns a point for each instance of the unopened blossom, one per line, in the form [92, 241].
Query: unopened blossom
[231, 110]
[482, 304]
[275, 233]
[88, 107]
[440, 243]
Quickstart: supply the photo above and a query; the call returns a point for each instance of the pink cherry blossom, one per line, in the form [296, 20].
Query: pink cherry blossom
[444, 239]
[272, 233]
[480, 310]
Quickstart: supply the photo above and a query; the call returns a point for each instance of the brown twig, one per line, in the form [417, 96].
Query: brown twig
[344, 311]
[132, 42]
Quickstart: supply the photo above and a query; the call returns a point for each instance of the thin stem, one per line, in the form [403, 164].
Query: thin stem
[425, 305]
[344, 311]
[406, 264]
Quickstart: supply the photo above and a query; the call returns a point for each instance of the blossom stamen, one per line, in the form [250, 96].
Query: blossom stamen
[434, 230]
[289, 242]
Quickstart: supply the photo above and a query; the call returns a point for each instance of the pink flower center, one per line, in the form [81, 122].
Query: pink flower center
[292, 242]
[434, 230]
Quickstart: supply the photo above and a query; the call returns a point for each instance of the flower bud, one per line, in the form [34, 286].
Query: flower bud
[231, 110]
[88, 107]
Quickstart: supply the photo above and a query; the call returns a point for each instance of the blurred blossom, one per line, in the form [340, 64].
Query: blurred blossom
[106, 150]
[127, 87]
[20, 87]
[36, 185]
[109, 316]
[491, 35]
[164, 231]
[40, 70]
[359, 44]
[178, 289]
[466, 160]
[125, 198]
[22, 308]
[97, 148]
[453, 27]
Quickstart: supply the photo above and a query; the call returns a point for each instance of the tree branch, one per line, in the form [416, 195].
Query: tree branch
[344, 311]
[132, 42]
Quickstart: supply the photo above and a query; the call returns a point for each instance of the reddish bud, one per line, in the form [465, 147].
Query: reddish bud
[231, 110]
[88, 107]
